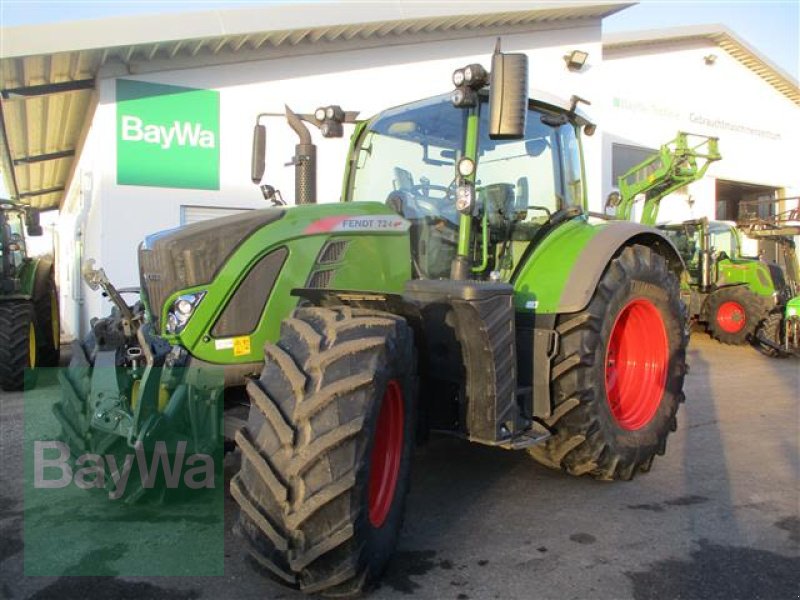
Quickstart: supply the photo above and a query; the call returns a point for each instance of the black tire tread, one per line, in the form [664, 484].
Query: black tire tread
[308, 416]
[49, 348]
[15, 320]
[770, 328]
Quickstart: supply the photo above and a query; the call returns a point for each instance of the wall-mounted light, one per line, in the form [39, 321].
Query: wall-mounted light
[576, 59]
[710, 59]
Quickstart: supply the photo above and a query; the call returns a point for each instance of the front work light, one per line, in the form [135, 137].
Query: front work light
[181, 310]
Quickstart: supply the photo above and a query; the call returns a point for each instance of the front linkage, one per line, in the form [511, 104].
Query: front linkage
[127, 388]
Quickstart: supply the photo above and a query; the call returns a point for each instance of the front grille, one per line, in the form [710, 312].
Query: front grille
[154, 276]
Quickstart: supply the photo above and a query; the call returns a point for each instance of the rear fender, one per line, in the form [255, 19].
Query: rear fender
[562, 274]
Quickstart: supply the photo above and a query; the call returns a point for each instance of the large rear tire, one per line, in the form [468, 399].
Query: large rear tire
[17, 345]
[733, 315]
[326, 451]
[618, 377]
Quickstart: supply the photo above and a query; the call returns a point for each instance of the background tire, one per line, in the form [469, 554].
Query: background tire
[733, 315]
[618, 377]
[48, 322]
[771, 329]
[17, 345]
[321, 495]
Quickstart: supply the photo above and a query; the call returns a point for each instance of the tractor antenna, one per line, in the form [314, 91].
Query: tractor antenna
[497, 46]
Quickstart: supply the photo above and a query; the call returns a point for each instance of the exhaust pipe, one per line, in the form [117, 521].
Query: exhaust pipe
[304, 161]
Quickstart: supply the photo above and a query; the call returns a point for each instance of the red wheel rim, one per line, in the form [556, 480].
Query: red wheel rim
[731, 317]
[387, 450]
[637, 357]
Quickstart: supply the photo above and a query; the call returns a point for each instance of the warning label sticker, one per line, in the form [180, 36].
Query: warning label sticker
[241, 345]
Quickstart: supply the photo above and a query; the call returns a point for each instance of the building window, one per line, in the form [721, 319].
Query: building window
[625, 157]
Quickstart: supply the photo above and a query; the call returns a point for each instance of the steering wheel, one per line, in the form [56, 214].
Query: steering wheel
[424, 189]
[443, 207]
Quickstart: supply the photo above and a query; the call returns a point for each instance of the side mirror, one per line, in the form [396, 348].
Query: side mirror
[508, 99]
[258, 158]
[32, 225]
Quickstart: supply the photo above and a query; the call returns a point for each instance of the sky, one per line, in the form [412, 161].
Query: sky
[772, 27]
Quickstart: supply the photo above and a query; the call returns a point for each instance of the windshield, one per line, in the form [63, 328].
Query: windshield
[12, 248]
[407, 158]
[723, 239]
[542, 171]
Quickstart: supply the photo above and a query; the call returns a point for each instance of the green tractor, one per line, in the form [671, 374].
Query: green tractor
[731, 293]
[29, 317]
[458, 287]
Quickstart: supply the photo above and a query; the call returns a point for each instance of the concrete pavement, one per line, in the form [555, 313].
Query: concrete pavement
[717, 517]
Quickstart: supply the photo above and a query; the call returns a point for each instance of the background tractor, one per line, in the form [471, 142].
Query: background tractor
[730, 293]
[458, 287]
[29, 318]
[779, 333]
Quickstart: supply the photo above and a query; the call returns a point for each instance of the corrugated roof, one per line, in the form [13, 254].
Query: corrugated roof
[719, 35]
[47, 72]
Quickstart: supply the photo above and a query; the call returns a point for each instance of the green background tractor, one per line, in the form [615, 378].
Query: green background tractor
[458, 287]
[731, 293]
[29, 318]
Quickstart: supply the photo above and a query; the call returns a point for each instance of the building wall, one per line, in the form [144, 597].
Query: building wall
[112, 219]
[653, 93]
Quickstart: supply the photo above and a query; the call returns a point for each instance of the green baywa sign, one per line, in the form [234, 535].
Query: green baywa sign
[167, 136]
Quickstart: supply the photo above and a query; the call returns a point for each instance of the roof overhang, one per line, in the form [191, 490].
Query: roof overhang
[715, 34]
[48, 72]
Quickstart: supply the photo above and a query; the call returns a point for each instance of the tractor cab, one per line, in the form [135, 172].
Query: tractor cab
[416, 158]
[15, 222]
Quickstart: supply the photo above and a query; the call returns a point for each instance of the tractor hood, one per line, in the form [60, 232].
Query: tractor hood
[189, 256]
[219, 255]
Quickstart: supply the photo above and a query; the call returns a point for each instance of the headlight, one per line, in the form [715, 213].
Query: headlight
[181, 310]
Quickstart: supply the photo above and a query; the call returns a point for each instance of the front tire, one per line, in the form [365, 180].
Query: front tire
[733, 314]
[617, 380]
[48, 320]
[326, 451]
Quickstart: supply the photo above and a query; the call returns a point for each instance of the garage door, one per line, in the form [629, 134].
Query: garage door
[195, 214]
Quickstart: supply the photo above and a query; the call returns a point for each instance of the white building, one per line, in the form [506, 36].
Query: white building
[78, 97]
[702, 80]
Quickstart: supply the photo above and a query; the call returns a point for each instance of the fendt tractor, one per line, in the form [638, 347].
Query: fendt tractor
[730, 293]
[29, 323]
[458, 287]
